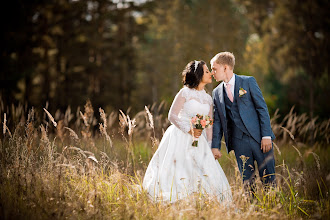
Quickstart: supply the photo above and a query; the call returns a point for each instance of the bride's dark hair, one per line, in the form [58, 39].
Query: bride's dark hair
[193, 73]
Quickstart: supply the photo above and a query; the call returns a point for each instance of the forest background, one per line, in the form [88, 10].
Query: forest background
[125, 54]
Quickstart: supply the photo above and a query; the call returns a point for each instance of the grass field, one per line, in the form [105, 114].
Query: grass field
[86, 165]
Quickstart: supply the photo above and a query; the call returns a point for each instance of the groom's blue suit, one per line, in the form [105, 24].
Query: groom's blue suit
[243, 123]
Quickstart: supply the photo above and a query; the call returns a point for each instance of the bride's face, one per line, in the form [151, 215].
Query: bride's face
[207, 77]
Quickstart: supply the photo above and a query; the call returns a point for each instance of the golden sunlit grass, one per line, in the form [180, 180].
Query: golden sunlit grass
[81, 166]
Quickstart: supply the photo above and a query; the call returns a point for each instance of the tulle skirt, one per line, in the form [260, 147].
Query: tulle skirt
[177, 169]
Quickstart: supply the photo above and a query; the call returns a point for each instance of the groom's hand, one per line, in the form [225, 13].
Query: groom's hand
[216, 153]
[196, 132]
[266, 145]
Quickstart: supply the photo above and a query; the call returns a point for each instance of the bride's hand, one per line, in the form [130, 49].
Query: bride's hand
[196, 132]
[216, 153]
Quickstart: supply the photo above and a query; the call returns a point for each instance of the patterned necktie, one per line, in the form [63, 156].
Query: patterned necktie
[229, 94]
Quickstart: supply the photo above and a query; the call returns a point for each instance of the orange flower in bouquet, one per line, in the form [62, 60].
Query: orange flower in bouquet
[200, 122]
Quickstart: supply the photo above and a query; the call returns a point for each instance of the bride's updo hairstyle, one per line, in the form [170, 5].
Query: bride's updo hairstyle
[193, 73]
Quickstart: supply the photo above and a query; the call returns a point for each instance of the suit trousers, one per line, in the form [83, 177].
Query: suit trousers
[251, 149]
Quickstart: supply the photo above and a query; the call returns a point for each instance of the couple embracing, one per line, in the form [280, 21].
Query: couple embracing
[178, 169]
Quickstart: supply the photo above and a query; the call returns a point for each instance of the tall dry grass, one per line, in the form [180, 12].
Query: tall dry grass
[301, 129]
[83, 165]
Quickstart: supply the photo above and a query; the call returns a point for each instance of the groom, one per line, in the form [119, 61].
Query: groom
[241, 115]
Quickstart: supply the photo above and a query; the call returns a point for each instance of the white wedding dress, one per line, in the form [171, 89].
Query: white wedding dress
[177, 169]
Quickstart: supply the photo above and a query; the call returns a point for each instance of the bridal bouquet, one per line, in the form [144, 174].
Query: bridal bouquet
[200, 122]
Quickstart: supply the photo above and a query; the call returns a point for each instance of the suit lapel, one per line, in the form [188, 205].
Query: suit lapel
[221, 99]
[238, 83]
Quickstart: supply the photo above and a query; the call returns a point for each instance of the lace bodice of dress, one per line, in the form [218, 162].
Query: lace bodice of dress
[187, 104]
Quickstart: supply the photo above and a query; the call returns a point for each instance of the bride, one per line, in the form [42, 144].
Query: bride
[177, 168]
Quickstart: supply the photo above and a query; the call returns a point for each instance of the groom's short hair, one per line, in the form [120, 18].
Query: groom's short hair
[223, 58]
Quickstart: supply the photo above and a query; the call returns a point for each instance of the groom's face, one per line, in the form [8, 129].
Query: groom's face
[218, 71]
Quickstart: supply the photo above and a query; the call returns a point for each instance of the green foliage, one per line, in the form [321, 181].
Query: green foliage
[128, 54]
[69, 51]
[289, 39]
[181, 31]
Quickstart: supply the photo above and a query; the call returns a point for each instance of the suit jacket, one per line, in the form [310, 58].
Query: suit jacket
[252, 110]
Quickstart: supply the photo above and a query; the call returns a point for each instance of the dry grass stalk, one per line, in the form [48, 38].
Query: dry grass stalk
[68, 116]
[44, 136]
[89, 120]
[151, 121]
[131, 125]
[297, 151]
[154, 140]
[122, 121]
[4, 123]
[126, 122]
[5, 128]
[103, 127]
[60, 129]
[92, 158]
[83, 186]
[50, 117]
[89, 112]
[317, 160]
[78, 150]
[291, 135]
[31, 115]
[72, 133]
[84, 119]
[103, 117]
[305, 129]
[276, 147]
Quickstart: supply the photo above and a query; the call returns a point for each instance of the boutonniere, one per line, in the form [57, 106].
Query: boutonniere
[241, 92]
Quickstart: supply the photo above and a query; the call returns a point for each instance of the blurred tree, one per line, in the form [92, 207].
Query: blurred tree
[293, 35]
[17, 60]
[66, 52]
[125, 53]
[181, 31]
